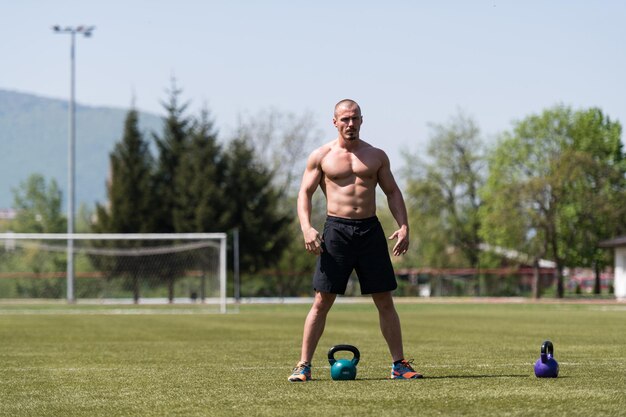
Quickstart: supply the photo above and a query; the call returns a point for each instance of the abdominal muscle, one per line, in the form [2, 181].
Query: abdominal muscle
[351, 201]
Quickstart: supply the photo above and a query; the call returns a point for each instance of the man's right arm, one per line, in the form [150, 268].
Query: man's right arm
[310, 181]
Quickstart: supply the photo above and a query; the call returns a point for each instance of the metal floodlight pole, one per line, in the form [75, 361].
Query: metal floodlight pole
[237, 279]
[71, 172]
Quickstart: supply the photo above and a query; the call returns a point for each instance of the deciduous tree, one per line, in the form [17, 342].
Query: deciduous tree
[442, 194]
[38, 206]
[556, 187]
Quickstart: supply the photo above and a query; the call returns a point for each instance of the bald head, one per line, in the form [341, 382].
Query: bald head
[347, 104]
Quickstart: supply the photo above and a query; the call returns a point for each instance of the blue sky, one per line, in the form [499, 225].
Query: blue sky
[408, 63]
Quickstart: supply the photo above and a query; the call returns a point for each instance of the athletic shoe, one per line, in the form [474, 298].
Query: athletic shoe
[404, 370]
[301, 373]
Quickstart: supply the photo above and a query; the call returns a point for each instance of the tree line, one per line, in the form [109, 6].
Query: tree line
[183, 179]
[550, 188]
[194, 183]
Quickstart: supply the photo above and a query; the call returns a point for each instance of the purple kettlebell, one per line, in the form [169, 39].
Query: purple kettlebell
[546, 366]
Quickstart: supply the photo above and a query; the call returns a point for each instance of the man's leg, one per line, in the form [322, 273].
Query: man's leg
[389, 324]
[315, 323]
[313, 329]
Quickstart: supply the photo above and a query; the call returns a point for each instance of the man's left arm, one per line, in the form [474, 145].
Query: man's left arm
[396, 205]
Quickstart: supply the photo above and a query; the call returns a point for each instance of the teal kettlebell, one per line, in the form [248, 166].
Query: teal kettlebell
[343, 369]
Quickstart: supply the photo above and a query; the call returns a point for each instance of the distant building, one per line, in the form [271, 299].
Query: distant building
[584, 280]
[619, 245]
[7, 214]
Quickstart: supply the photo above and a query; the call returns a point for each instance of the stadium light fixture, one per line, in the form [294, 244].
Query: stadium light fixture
[72, 31]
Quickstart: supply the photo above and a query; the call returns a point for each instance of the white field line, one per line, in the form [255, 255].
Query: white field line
[609, 308]
[452, 366]
[116, 311]
[529, 365]
[607, 304]
[202, 309]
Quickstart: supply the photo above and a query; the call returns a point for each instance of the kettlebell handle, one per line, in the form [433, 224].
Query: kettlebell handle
[547, 350]
[349, 348]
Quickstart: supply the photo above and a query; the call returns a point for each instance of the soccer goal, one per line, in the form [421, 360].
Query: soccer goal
[139, 268]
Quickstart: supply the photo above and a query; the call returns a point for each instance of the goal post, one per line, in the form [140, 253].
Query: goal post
[114, 265]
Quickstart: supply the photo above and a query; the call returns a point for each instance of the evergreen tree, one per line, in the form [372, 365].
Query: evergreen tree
[252, 205]
[198, 184]
[171, 147]
[175, 197]
[130, 186]
[131, 199]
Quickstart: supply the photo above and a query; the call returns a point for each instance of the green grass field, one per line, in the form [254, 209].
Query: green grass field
[477, 359]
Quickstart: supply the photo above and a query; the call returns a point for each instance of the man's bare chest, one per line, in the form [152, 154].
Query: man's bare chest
[349, 166]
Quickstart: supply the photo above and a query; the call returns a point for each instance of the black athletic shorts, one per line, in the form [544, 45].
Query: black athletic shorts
[358, 245]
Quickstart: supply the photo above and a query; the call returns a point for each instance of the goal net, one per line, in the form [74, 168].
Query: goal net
[139, 268]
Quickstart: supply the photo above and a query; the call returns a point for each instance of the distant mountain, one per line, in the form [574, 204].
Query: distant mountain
[34, 139]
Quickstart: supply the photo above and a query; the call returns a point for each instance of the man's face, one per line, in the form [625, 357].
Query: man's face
[348, 122]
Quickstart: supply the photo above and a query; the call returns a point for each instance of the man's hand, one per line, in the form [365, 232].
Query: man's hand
[312, 241]
[402, 245]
